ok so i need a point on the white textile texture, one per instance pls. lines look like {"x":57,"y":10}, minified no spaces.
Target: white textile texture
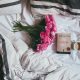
{"x":47,"y":65}
{"x":10,"y":7}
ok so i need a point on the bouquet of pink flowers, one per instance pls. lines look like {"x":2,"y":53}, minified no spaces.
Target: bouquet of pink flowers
{"x":42,"y":34}
{"x":48,"y":35}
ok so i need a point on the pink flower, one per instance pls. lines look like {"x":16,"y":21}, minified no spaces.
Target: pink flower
{"x":54,"y":28}
{"x":49,"y":25}
{"x":51,"y":17}
{"x":47,"y":31}
{"x":47,"y":40}
{"x":52,"y":34}
{"x":42,"y":35}
{"x":47,"y":36}
{"x":41,"y":47}
{"x":47,"y":19}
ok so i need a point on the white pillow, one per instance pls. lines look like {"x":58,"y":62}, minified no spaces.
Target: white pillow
{"x":10,"y":6}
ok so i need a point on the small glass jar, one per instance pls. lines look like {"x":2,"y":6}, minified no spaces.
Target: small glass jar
{"x":76,"y":45}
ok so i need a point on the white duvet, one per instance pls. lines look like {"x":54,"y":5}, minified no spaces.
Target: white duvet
{"x":47,"y":65}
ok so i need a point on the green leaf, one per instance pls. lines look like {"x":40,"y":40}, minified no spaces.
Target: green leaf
{"x":33,"y":31}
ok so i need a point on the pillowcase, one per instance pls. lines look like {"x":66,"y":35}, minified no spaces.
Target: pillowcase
{"x":10,"y":6}
{"x":64,"y":7}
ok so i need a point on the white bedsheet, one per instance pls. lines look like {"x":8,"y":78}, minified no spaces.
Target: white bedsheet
{"x":47,"y":65}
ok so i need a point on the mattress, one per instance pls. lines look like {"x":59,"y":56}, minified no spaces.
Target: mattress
{"x":47,"y":65}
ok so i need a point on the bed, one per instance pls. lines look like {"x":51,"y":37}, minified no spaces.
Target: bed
{"x":48,"y":65}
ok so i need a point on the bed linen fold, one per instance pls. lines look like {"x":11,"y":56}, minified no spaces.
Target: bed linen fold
{"x":47,"y":65}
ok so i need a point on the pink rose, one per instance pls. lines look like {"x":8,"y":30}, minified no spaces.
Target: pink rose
{"x":54,"y":28}
{"x":47,"y":40}
{"x":47,"y":19}
{"x":47,"y":36}
{"x":41,"y":47}
{"x":47,"y":31}
{"x":44,"y":37}
{"x":52,"y":34}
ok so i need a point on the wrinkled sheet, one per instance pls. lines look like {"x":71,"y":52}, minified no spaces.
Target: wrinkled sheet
{"x":24,"y":64}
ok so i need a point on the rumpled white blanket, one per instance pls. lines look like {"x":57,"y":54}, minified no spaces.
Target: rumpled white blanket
{"x":47,"y":65}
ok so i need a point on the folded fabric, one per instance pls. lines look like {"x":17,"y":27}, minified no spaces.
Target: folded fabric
{"x":65,"y":7}
{"x":10,"y":6}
